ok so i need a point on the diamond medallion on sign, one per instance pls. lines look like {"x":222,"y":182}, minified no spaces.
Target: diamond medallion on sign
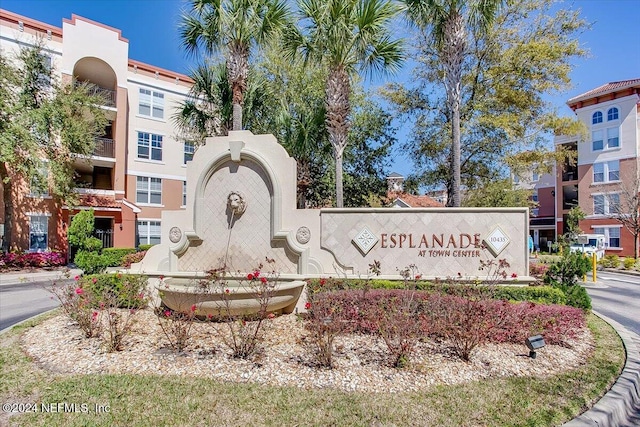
{"x":365,"y":240}
{"x":497,"y":240}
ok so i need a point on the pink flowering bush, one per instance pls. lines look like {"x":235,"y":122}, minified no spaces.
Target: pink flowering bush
{"x":17,"y":261}
{"x":79,"y":304}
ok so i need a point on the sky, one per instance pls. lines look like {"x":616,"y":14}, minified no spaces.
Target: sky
{"x":151,"y":28}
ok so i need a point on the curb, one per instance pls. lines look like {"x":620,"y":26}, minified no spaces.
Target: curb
{"x":622,"y":402}
{"x":5,"y":330}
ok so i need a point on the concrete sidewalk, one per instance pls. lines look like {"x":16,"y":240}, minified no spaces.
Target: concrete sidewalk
{"x":13,"y":278}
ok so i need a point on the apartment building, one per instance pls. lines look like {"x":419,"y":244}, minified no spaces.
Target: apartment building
{"x":138,"y":165}
{"x":607,"y":163}
{"x":542,"y":218}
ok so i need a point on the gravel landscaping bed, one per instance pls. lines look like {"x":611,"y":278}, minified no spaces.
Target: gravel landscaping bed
{"x":361,"y":361}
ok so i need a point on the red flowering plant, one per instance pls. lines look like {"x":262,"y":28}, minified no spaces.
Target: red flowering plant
{"x":242,"y":332}
{"x":79,"y":304}
{"x":177,"y":324}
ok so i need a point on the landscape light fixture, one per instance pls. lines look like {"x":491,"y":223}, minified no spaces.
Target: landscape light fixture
{"x":533,"y":343}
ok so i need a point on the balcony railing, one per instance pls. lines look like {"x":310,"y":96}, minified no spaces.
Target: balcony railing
{"x":104,"y":148}
{"x":109,"y":95}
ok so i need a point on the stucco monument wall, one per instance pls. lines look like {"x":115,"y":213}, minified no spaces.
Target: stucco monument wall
{"x":256,"y":171}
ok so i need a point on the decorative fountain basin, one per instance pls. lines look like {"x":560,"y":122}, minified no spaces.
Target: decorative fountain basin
{"x":181,"y":293}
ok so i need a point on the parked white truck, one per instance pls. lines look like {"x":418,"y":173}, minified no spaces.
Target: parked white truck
{"x":589,"y":244}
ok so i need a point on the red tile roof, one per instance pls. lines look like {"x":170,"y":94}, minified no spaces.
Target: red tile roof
{"x":415,"y":201}
{"x":605,"y":89}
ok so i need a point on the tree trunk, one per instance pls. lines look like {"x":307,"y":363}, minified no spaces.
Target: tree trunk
{"x":237,"y":116}
{"x":452,"y":50}
{"x":337,"y":95}
{"x":339,"y":188}
{"x":7,"y":239}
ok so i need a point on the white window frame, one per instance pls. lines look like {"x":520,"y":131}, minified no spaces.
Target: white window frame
{"x":153,"y":101}
{"x":606,"y":202}
{"x":145,"y":186}
{"x":152,"y":143}
{"x":38,"y":232}
{"x":597,"y":117}
{"x":149,"y":231}
{"x":611,"y":112}
{"x":597,"y":136}
{"x":605,"y":172}
{"x":613,"y":139}
{"x":609,"y":232}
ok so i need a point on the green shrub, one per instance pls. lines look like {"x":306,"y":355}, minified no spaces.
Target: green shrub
{"x":144,"y":247}
{"x":537,"y":294}
{"x":90,"y":262}
{"x":629,"y":263}
{"x":114,"y":256}
{"x":128,"y":290}
{"x":549,"y":259}
{"x":81,"y":230}
{"x":577,"y":296}
{"x":567,"y":271}
{"x":610,"y":261}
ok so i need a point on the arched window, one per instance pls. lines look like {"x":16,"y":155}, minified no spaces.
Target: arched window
{"x":612,"y":114}
{"x":596,"y":118}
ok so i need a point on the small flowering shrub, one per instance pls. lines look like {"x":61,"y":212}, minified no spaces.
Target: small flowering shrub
{"x":17,"y":261}
{"x":245,"y":332}
{"x":325,"y":320}
{"x":176,"y":325}
{"x":118,"y":312}
{"x":78,"y":304}
{"x":129,"y":259}
{"x":610,"y":261}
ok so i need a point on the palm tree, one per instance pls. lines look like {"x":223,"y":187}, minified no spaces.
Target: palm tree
{"x":344,"y":35}
{"x":232,"y":28}
{"x":449,"y":22}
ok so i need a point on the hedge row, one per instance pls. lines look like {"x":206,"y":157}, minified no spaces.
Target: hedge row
{"x":537,"y":294}
{"x":13,"y":260}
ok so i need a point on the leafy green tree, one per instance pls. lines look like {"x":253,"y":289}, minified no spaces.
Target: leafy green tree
{"x":344,"y":35}
{"x":80,"y":233}
{"x":233,"y":28}
{"x":498,"y":193}
{"x":507,"y":70}
{"x":42,"y":125}
{"x":449,"y":22}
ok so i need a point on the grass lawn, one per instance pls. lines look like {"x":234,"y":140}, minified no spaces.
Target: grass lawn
{"x":175,"y":401}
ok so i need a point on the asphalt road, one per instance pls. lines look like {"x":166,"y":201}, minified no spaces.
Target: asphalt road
{"x":618,"y":297}
{"x":21,"y":301}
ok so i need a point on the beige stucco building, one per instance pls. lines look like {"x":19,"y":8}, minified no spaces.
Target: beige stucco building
{"x":138,"y":166}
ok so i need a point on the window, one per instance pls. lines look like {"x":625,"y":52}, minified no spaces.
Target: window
{"x":596,"y":118}
{"x":598,"y":204}
{"x":606,"y":171}
{"x":596,"y":140}
{"x":613,"y":170}
{"x":611,"y":236}
{"x":149,"y":146}
{"x":535,"y":177}
{"x":151,"y":104}
{"x":535,"y":211}
{"x":612,"y":114}
{"x":612,"y":138}
{"x":44,"y":76}
{"x":149,"y":232}
{"x":189,"y":149}
{"x":534,"y":196}
{"x":184,"y":193}
{"x":606,"y":204}
{"x":148,"y":190}
{"x":38,"y":233}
